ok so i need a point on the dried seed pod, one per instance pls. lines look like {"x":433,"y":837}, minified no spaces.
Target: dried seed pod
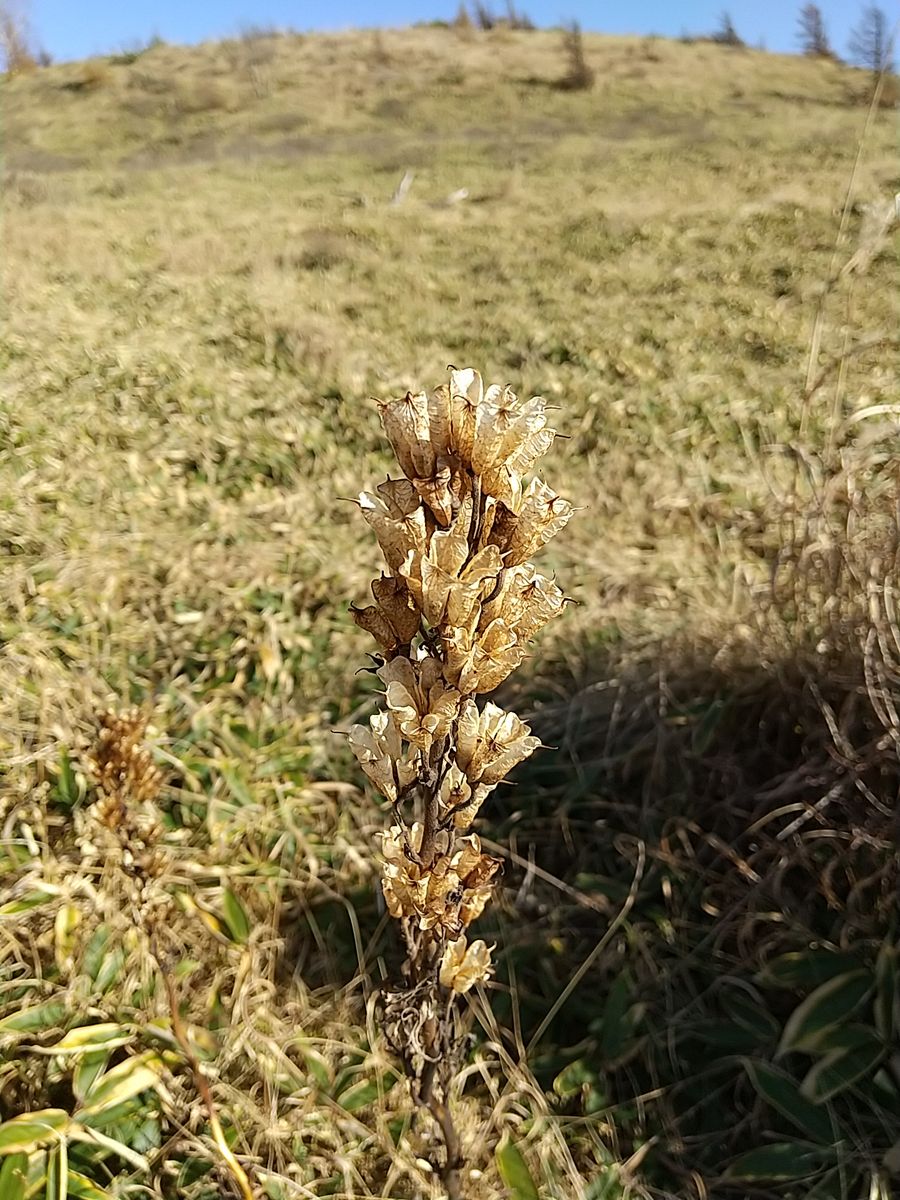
{"x":463,"y":966}
{"x":392,"y":595}
{"x":379,"y":751}
{"x":422,"y":704}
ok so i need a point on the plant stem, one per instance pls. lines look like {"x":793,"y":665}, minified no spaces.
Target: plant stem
{"x":449,"y":1173}
{"x":238,"y":1173}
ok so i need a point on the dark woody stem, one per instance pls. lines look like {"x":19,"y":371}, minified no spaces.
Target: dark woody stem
{"x":431,"y":1083}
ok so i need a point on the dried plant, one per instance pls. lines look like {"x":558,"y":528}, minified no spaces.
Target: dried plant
{"x":452,"y":618}
{"x":579,"y":76}
{"x":122,"y":827}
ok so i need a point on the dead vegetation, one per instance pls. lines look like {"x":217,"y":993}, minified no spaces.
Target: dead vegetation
{"x":188,"y":351}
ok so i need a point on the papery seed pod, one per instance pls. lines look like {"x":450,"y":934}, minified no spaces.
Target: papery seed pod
{"x":525,"y":600}
{"x":463,"y":966}
{"x":373,"y":621}
{"x":463,"y":601}
{"x":401,"y":500}
{"x":392,"y":595}
{"x":453,"y":618}
{"x":510,"y":434}
{"x":398,"y":535}
{"x":422,"y":704}
{"x":466,"y":391}
{"x":435,"y":490}
{"x":440,"y":565}
{"x":480,"y":662}
{"x":531,"y":448}
{"x":408,"y":429}
{"x":379,"y":751}
{"x":541,"y":516}
{"x":490,"y":743}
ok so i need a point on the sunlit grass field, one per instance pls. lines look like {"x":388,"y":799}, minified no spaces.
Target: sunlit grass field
{"x":213,"y":258}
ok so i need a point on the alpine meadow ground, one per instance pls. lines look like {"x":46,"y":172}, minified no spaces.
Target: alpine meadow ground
{"x":213,"y":258}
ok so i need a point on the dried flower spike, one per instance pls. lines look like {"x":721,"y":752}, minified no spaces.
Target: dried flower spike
{"x":452,"y":618}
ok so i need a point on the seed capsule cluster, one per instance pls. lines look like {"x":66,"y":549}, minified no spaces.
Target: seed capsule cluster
{"x":452,"y":617}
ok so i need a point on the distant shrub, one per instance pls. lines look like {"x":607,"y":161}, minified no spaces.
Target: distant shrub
{"x":811,"y":33}
{"x":201,"y":95}
{"x":486,"y":18}
{"x":579,"y":77}
{"x":154,"y":83}
{"x":94,"y":74}
{"x":25,"y":189}
{"x":517,"y":20}
{"x":134,"y":50}
{"x":462,"y":22}
{"x":379,"y":55}
{"x":251,"y":54}
{"x":727,"y":34}
{"x":17,"y":56}
{"x":871,"y":42}
{"x":323,"y":248}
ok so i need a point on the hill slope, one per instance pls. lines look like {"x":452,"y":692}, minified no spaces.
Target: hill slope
{"x":213,"y":257}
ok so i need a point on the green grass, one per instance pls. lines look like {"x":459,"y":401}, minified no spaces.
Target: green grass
{"x":205,"y":280}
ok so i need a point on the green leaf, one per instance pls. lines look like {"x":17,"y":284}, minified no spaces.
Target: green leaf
{"x":705,"y":730}
{"x":57,"y":1172}
{"x":25,"y":903}
{"x":88,"y":1070}
{"x":780,"y":1160}
{"x":783,"y":1094}
{"x":46,"y":1015}
{"x":126,"y":1080}
{"x":84,"y":1133}
{"x":13,"y":1176}
{"x":841,"y":1068}
{"x":365,"y":1092}
{"x":886,"y":993}
{"x":30,"y":1130}
{"x":802,"y":970}
{"x":827,"y":1007}
{"x":95,"y":951}
{"x":317,"y":1065}
{"x":607,"y":1186}
{"x":237,"y":787}
{"x":615,"y":1031}
{"x":514,"y":1172}
{"x":750,"y":1013}
{"x":105,"y":1034}
{"x":572,"y":1079}
{"x":66,"y":784}
{"x":852,"y":1036}
{"x":719,"y":1035}
{"x":235,"y":917}
{"x":110,"y":969}
{"x":82,"y":1188}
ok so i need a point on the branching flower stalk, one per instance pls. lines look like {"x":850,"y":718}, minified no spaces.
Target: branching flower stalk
{"x":453,"y":616}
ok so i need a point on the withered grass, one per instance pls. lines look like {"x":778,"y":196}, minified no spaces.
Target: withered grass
{"x":187,"y":347}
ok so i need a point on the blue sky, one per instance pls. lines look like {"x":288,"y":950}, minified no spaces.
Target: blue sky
{"x":79,"y":28}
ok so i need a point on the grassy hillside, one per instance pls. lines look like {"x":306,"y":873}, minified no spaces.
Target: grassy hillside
{"x":211,"y":263}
